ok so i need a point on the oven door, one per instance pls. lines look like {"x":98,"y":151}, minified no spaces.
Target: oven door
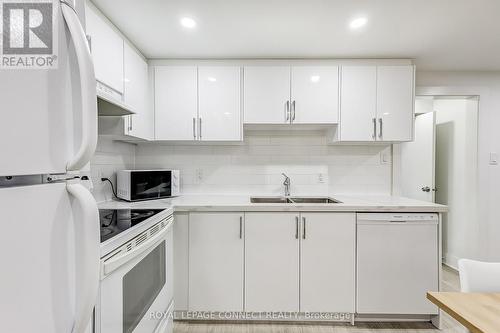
{"x":132,"y":295}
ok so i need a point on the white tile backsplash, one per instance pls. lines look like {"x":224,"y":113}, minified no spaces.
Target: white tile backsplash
{"x":109,"y":157}
{"x":255,"y":166}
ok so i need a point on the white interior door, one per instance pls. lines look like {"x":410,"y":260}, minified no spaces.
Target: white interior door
{"x":418,"y":160}
{"x":219,"y":90}
{"x":315,"y":94}
{"x":37,"y":246}
{"x":266,"y":94}
{"x":176,"y":102}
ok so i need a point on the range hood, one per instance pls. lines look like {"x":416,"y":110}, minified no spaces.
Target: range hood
{"x":109,"y":106}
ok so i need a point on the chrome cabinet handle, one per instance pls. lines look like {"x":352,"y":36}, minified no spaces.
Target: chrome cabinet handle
{"x":303,"y":228}
{"x":374,"y":135}
{"x":199,"y":128}
{"x":287,"y":111}
{"x":296,"y":227}
{"x":293,"y":111}
{"x":380,"y":132}
{"x":194,"y":128}
{"x":241,"y":227}
{"x":130,"y":123}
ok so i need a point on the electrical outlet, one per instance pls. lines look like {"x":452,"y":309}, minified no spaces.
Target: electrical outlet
{"x":493,"y":158}
{"x":321,"y":178}
{"x":384,"y":158}
{"x":199,"y":175}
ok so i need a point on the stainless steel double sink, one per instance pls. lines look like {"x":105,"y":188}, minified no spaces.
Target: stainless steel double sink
{"x":294,"y":200}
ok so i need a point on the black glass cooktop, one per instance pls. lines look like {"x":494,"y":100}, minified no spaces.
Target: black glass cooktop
{"x":115,"y":221}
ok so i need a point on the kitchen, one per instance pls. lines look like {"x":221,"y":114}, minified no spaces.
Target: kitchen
{"x":253,"y":179}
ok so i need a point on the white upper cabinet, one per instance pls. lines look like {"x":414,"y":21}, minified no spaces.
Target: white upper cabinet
{"x":136,"y":95}
{"x":358,"y":102}
{"x":106,"y":48}
{"x":376,"y":103}
{"x":315,"y":94}
{"x":176,"y":103}
{"x":395,"y":102}
{"x":219,"y":113}
{"x":266,"y":94}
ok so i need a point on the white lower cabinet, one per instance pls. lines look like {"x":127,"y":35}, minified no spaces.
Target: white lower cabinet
{"x":272,"y":262}
{"x":216,"y":247}
{"x":327,"y":262}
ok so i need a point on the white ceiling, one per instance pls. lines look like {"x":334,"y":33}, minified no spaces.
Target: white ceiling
{"x":439,"y":34}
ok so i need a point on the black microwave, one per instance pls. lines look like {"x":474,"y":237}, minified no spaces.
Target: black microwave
{"x":136,"y":185}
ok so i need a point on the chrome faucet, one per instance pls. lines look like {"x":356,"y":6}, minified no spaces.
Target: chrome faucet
{"x":287,"y":185}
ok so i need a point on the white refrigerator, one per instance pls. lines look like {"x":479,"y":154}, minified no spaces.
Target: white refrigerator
{"x":49,"y":237}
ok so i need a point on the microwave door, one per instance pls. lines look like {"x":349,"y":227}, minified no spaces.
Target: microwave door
{"x":49,"y":116}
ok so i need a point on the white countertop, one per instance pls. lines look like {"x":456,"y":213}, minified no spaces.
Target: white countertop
{"x":353,"y":203}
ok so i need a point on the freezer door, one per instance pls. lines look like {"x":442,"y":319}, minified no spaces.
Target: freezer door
{"x":48,"y":258}
{"x":48,"y":118}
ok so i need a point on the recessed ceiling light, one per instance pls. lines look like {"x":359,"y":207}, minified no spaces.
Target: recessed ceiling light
{"x":315,"y":78}
{"x":211,"y":79}
{"x":188,"y":22}
{"x":358,"y":22}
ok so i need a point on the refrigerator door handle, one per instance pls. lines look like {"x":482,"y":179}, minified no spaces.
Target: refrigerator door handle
{"x":88,"y":89}
{"x":88,"y":256}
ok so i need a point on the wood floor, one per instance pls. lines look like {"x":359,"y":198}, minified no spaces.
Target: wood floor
{"x":449,"y":283}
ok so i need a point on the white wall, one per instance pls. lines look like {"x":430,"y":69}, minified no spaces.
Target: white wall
{"x":255,"y":167}
{"x":486,"y":246}
{"x":110,"y":156}
{"x":456,"y":174}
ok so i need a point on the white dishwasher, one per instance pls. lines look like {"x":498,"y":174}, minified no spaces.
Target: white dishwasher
{"x":397,"y":262}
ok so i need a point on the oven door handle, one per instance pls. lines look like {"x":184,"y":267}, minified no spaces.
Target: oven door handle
{"x":112,"y":264}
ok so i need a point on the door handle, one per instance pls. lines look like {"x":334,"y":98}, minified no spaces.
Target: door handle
{"x":374,"y":134}
{"x":194,"y":128}
{"x":293,"y":111}
{"x":88,"y":262}
{"x":130,"y":123}
{"x":287,"y":111}
{"x":380,"y":132}
{"x":303,"y":228}
{"x":241,"y":227}
{"x":199,"y":127}
{"x":428,"y":189}
{"x":296,"y":227}
{"x":88,"y":98}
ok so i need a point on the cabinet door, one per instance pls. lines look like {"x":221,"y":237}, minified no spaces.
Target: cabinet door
{"x":176,"y":102}
{"x":266,"y":94}
{"x":219,"y":103}
{"x":136,"y":95}
{"x":315,"y":94}
{"x":216,"y":262}
{"x":107,"y":49}
{"x":272,"y":262}
{"x":395,"y":101}
{"x":328,"y":262}
{"x":358,"y":103}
